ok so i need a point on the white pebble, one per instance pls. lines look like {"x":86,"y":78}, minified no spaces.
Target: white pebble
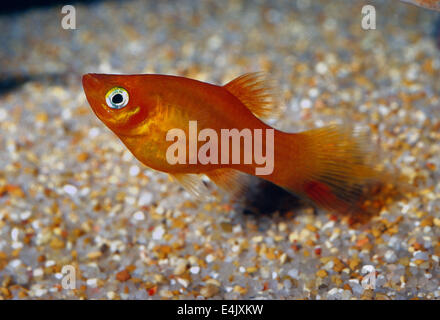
{"x":394,"y":243}
{"x":321,"y":68}
{"x":383,"y":110}
{"x":305,"y":104}
{"x":70,"y":189}
{"x":328,"y":225}
{"x":293,"y":273}
{"x":194,"y":270}
{"x":40,"y":292}
{"x":17,"y":245}
{"x":49,"y":263}
{"x":92,"y":282}
{"x":334,"y":293}
{"x":15,"y":263}
{"x":313,"y":92}
{"x":210,"y":258}
{"x":145,"y":198}
{"x":127,"y":156}
{"x":355,"y":286}
{"x":390,"y":256}
{"x":25,"y":215}
{"x":3,"y":114}
{"x":236,"y":229}
{"x":158,"y":233}
{"x":38,"y":272}
{"x":130,"y":201}
{"x":93,"y":132}
{"x":134,"y":170}
{"x":14,"y":234}
{"x":420,"y":255}
{"x":214,"y":42}
{"x":111,"y":295}
{"x":138,"y":216}
{"x":183,"y":282}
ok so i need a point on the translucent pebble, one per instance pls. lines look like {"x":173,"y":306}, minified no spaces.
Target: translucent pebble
{"x":306,"y":104}
{"x":421,"y":255}
{"x":92,"y":282}
{"x":93,"y":132}
{"x":3,"y":114}
{"x":293,"y":273}
{"x":321,"y":68}
{"x":145,"y":198}
{"x":138,"y":216}
{"x":390,"y":256}
{"x":194,"y":270}
{"x":70,"y":189}
{"x":134,"y":170}
{"x":158,"y":233}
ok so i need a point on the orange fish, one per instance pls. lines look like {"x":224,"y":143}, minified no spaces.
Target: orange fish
{"x":329,"y":165}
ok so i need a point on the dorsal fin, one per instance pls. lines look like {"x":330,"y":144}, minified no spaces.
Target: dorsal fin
{"x":257,"y":92}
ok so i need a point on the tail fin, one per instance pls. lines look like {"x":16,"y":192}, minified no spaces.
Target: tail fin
{"x":337,"y":169}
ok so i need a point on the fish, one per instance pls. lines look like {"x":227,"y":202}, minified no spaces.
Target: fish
{"x":427,"y":4}
{"x":329,"y":166}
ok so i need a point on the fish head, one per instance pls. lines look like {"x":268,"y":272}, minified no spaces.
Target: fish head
{"x":122,"y":102}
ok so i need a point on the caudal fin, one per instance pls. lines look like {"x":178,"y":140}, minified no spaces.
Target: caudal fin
{"x":337,"y":168}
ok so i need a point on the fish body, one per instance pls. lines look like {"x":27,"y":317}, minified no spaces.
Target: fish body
{"x":164,"y":103}
{"x":327,"y":165}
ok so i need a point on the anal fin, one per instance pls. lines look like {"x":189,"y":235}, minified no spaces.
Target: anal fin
{"x":232,"y":181}
{"x":194,"y":184}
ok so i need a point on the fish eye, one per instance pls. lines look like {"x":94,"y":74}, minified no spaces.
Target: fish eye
{"x":116,"y":98}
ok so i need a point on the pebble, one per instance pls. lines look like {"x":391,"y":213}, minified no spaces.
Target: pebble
{"x":194,"y":270}
{"x":356,"y":287}
{"x":38,"y":272}
{"x":209,"y":291}
{"x":123,"y":275}
{"x":390,"y":256}
{"x":321,"y":68}
{"x":158,"y":233}
{"x":3,"y":114}
{"x":210,"y":258}
{"x":138,"y":216}
{"x":92,"y":282}
{"x":70,"y":189}
{"x":134,"y":170}
{"x":145,"y":199}
{"x":420,"y":255}
{"x":293,"y":273}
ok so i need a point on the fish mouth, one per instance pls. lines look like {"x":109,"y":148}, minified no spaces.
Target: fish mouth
{"x":92,"y":85}
{"x":90,"y":82}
